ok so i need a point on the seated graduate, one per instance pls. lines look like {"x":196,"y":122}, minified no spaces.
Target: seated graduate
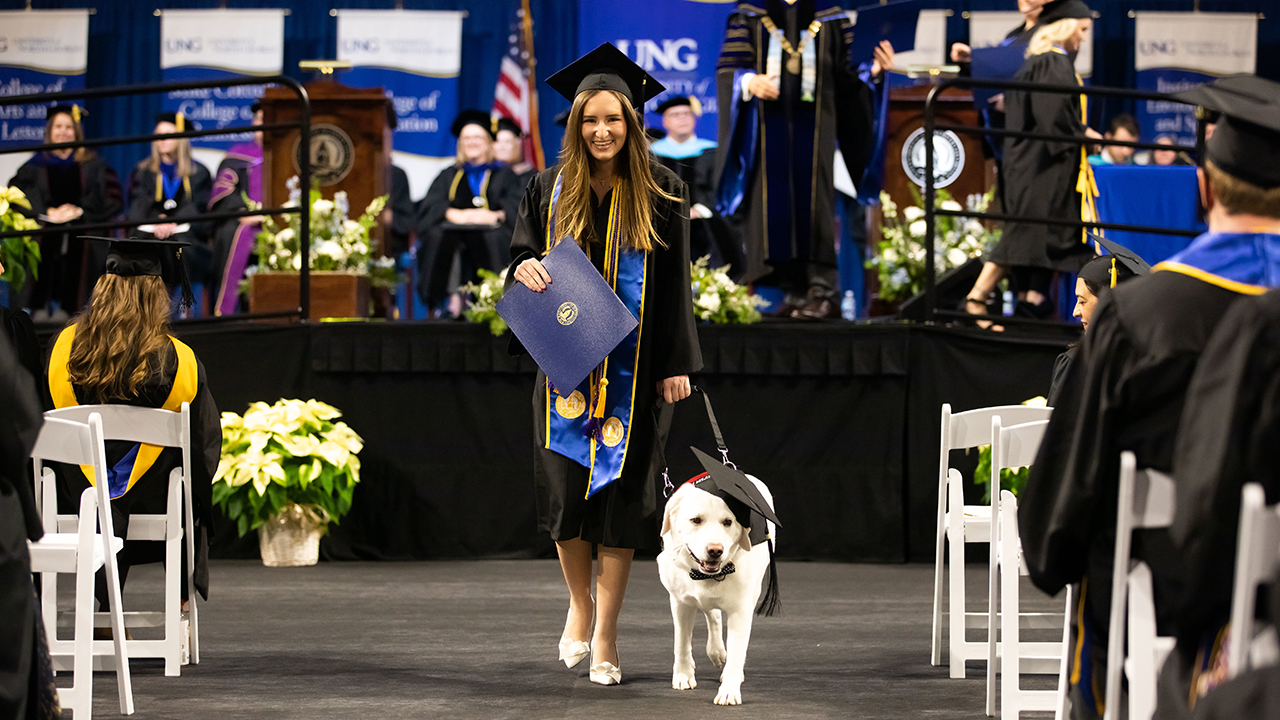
{"x":400,"y":214}
{"x":171,"y":185}
{"x":629,"y":214}
{"x":470,"y":207}
{"x":118,"y":351}
{"x":1127,"y":389}
{"x":239,"y":176}
{"x":694,"y":160}
{"x":1097,"y":277}
{"x":508,"y":147}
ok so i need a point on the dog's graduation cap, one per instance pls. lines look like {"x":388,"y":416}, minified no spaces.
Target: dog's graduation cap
{"x":606,"y":68}
{"x":1246,"y":138}
{"x":739,"y":493}
{"x":135,"y":257}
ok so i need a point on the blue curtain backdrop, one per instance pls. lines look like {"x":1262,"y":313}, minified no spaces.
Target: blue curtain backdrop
{"x":124,"y":38}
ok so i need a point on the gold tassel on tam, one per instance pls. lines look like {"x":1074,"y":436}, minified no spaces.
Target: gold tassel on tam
{"x":1113,"y":272}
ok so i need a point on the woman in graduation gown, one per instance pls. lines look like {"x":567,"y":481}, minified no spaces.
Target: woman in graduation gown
{"x":118,"y":351}
{"x":171,"y":185}
{"x":595,"y":471}
{"x":1041,"y":175}
{"x":477,"y":191}
{"x":68,"y":187}
{"x":1097,"y":277}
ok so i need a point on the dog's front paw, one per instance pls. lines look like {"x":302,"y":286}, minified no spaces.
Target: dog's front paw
{"x":730,"y":694}
{"x":716,"y":652}
{"x":683,"y":681}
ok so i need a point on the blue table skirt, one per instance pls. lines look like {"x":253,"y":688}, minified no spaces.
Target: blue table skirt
{"x":1158,"y":196}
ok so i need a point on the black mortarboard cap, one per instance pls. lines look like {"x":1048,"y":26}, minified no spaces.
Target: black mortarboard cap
{"x":1123,"y":261}
{"x":75,"y":111}
{"x":255,"y":106}
{"x":1246,"y":139}
{"x":680,"y":101}
{"x":1057,"y":10}
{"x":655,"y":133}
{"x":179,"y":121}
{"x":133,"y":257}
{"x":562,"y":118}
{"x":510,"y":126}
{"x":474,"y":117}
{"x":606,"y":68}
{"x":736,"y":488}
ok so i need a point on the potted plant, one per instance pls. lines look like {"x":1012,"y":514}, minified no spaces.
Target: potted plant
{"x":287,"y":471}
{"x":342,"y":258}
{"x":718,"y":299}
{"x":20,"y":256}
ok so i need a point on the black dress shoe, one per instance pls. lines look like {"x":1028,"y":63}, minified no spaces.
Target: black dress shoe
{"x":817,"y":308}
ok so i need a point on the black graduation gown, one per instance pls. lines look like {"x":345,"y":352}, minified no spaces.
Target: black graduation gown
{"x":707,"y":236}
{"x":484,"y":249}
{"x":623,"y":514}
{"x":150,"y":494}
{"x":1040,"y":176}
{"x":199,"y":257}
{"x":1124,"y":391}
{"x":232,"y":179}
{"x":1060,"y":367}
{"x":67,"y":277}
{"x":403,"y":213}
{"x":19,"y":425}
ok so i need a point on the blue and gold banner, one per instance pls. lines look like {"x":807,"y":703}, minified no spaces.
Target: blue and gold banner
{"x":41,"y":51}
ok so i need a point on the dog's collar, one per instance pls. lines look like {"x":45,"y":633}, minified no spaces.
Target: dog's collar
{"x":726,"y":571}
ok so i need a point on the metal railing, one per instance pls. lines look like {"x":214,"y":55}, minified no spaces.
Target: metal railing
{"x":931,"y":211}
{"x":304,"y":166}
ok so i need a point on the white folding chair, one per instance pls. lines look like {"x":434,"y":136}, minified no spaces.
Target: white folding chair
{"x":1146,"y":501}
{"x":81,"y":552}
{"x":169,"y":429}
{"x":1014,"y":447}
{"x":1041,"y":657}
{"x":1257,"y":555}
{"x":963,"y":524}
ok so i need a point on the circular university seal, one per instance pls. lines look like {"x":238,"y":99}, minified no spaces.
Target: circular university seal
{"x":572,"y":406}
{"x":567,"y":313}
{"x":948,"y":157}
{"x":331,"y":154}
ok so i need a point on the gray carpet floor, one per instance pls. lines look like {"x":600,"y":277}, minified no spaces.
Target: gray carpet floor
{"x":478,"y":640}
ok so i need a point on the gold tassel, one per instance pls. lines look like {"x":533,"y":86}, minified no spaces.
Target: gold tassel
{"x":75,"y":113}
{"x":179,"y":122}
{"x":159,"y":185}
{"x":600,"y":395}
{"x":1113,"y":272}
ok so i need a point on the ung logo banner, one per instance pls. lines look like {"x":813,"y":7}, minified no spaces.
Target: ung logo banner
{"x":1176,"y":51}
{"x":41,"y":51}
{"x":216,"y":45}
{"x":415,"y":55}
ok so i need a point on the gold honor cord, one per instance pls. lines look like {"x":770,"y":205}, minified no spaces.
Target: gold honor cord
{"x":484,"y":187}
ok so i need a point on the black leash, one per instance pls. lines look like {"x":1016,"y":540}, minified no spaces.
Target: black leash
{"x":668,"y":487}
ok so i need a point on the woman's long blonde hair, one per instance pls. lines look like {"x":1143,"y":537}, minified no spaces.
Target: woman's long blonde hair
{"x":182,"y":157}
{"x":634,"y":183}
{"x":1055,"y":33}
{"x":121,"y":337}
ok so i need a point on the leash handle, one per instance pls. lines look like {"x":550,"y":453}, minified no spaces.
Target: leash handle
{"x":668,"y":487}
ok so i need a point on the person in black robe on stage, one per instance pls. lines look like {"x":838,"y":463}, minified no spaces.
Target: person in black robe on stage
{"x":171,"y":185}
{"x":239,"y":177}
{"x":782,"y":107}
{"x":1127,"y":389}
{"x":470,"y":207}
{"x":66,"y":188}
{"x":608,"y":179}
{"x":1041,"y":176}
{"x":116,"y":352}
{"x":508,"y":147}
{"x":400,"y":214}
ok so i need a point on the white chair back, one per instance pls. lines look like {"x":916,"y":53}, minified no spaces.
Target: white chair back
{"x":1257,"y":555}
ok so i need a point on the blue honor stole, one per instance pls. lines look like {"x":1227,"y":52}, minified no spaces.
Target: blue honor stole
{"x":591,"y":425}
{"x":1247,"y":263}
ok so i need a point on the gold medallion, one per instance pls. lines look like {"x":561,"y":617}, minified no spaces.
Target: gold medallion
{"x":613,"y":431}
{"x":793,"y":64}
{"x":567,"y":313}
{"x":572,"y":406}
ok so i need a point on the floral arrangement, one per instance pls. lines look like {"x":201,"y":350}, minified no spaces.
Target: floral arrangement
{"x":901,"y":257}
{"x":720,"y":300}
{"x":338,"y":244}
{"x":288,"y":453}
{"x":20,"y":256}
{"x":1011,"y":479}
{"x":483,"y":297}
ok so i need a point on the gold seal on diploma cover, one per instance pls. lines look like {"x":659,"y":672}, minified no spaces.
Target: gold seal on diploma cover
{"x":572,"y":406}
{"x":612,"y":431}
{"x":567,"y":313}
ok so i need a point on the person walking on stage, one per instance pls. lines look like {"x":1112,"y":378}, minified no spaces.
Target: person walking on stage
{"x":609,"y":195}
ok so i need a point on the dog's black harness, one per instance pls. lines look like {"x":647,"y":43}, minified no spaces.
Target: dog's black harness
{"x":726,"y":571}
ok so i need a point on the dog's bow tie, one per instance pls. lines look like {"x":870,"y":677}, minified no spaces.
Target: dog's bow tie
{"x":726,"y":571}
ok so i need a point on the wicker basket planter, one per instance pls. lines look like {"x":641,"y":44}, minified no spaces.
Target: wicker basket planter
{"x":292,"y":538}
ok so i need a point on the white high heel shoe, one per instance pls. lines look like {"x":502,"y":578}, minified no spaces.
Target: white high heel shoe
{"x":572,"y":651}
{"x":606,"y":673}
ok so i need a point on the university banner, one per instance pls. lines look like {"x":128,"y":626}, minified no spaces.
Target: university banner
{"x":1177,"y":50}
{"x":676,"y":41}
{"x":200,"y":45}
{"x":415,"y":55}
{"x":989,"y":28}
{"x":41,"y":51}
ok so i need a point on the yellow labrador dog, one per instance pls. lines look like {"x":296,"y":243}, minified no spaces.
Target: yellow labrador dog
{"x":708,"y":564}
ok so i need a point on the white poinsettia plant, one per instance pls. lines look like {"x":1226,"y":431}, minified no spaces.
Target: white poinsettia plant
{"x":338,"y":244}
{"x":20,"y":256}
{"x":900,"y":261}
{"x":292,"y":452}
{"x":718,"y":299}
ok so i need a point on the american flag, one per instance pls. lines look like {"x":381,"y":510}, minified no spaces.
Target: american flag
{"x":516,"y":95}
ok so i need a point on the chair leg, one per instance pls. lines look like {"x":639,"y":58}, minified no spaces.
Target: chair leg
{"x":81,"y":695}
{"x":956,"y":605}
{"x":124,"y":684}
{"x":995,"y":609}
{"x":1062,"y":708}
{"x":938,"y":559}
{"x":172,"y":607}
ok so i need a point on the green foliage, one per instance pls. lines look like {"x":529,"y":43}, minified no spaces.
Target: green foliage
{"x":20,"y":256}
{"x":482,"y":300}
{"x":721,"y":300}
{"x":1011,"y":479}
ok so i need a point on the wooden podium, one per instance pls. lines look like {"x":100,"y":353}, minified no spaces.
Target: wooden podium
{"x":959,"y":163}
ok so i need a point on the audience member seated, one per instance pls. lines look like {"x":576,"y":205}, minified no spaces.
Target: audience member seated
{"x":1125,"y":129}
{"x":118,"y":351}
{"x":508,"y":147}
{"x":470,"y":208}
{"x":1169,"y":157}
{"x":67,"y":188}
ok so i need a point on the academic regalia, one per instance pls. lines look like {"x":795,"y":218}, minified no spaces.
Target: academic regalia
{"x":1040,"y":176}
{"x":239,"y":173}
{"x":90,"y":184}
{"x":403,"y":213}
{"x":623,"y":513}
{"x":452,"y":188}
{"x":178,"y":199}
{"x":694,"y":161}
{"x":776,"y":157}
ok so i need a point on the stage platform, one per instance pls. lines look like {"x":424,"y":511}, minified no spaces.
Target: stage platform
{"x":840,"y":419}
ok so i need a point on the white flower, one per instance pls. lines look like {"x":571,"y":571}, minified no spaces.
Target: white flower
{"x":917,"y":228}
{"x":957,"y":257}
{"x":950,"y":205}
{"x":891,"y":255}
{"x":351,"y":227}
{"x":323,"y":207}
{"x":709,"y":300}
{"x":297,"y":262}
{"x":913,"y":213}
{"x":330,"y":249}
